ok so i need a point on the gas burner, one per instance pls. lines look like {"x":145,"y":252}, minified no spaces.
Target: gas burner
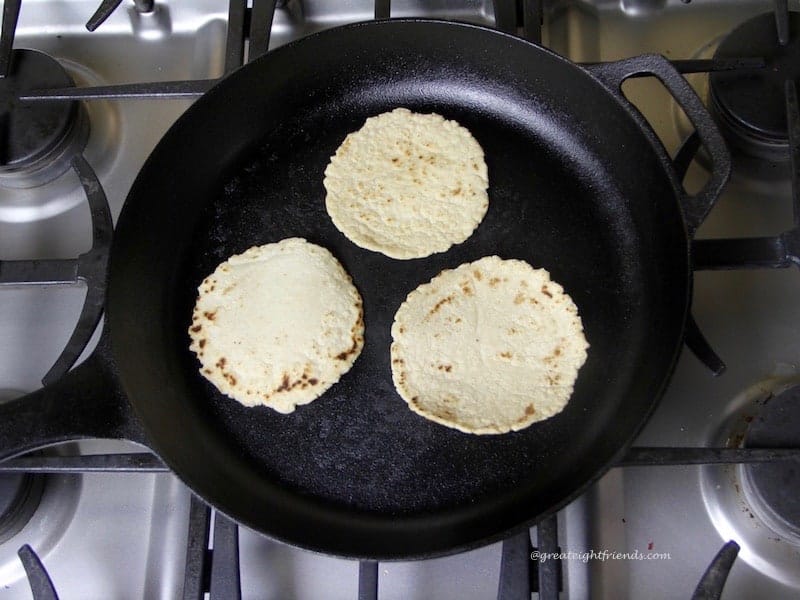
{"x":37,"y":140}
{"x":746,"y":502}
{"x":19,"y":498}
{"x":771,"y":488}
{"x":751,"y":105}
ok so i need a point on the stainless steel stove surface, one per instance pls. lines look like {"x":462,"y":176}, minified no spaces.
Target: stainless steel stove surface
{"x":117,"y":535}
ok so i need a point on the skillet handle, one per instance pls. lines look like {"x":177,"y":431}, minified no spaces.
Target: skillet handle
{"x":613,"y":74}
{"x":87,"y":402}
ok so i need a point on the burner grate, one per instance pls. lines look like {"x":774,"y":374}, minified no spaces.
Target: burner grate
{"x":216,"y":570}
{"x":90,"y":267}
{"x":517,"y":577}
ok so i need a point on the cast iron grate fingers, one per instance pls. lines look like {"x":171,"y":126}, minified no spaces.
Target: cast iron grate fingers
{"x":262,"y":13}
{"x":532,"y":20}
{"x":9,"y":26}
{"x":41,"y":586}
{"x":368,"y":580}
{"x":234,"y":41}
{"x":515,"y":568}
{"x":710,"y":586}
{"x":196,"y":573}
{"x":107,"y":8}
{"x":90,"y":267}
{"x":383,"y":9}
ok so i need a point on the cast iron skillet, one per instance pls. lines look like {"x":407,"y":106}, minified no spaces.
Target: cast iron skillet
{"x":579,"y":185}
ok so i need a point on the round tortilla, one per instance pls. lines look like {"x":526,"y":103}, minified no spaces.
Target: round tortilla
{"x":407,"y":185}
{"x":277,"y":325}
{"x":489,"y":347}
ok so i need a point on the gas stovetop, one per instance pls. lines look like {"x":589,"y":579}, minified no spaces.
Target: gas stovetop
{"x":112,"y":523}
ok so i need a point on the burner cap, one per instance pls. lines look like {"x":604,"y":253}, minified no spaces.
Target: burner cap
{"x":773,"y":486}
{"x":753,"y":103}
{"x":37,"y":139}
{"x":19,"y":499}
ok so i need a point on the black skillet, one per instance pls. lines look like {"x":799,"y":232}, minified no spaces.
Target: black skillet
{"x":579,"y":185}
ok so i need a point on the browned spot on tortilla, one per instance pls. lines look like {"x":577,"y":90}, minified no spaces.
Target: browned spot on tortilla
{"x":313,"y":381}
{"x":546,"y":292}
{"x":398,"y":361}
{"x":210,"y":315}
{"x":394,"y":160}
{"x":202,"y":343}
{"x":494,"y":281}
{"x":207,"y":371}
{"x":401,"y":329}
{"x":529,"y":410}
{"x":357,"y":339}
{"x":467,"y":289}
{"x":296,"y":383}
{"x":506,"y":354}
{"x":533,"y":300}
{"x":284,"y":384}
{"x":512,"y":330}
{"x":439,"y":304}
{"x":519,"y":298}
{"x":458,"y":320}
{"x":414,"y":400}
{"x":221,"y":362}
{"x":475,"y":166}
{"x":231,"y":379}
{"x":447,"y":368}
{"x":197,"y":328}
{"x":456,"y":191}
{"x":478,"y":274}
{"x":446,"y":414}
{"x":557,"y":351}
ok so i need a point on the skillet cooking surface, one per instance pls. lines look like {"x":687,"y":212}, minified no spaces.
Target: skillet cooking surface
{"x":359,"y":443}
{"x":244,"y":167}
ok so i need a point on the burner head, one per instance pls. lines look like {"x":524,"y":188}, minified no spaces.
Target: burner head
{"x":751,"y":105}
{"x":772,"y":488}
{"x":37,"y":139}
{"x":19,"y":499}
